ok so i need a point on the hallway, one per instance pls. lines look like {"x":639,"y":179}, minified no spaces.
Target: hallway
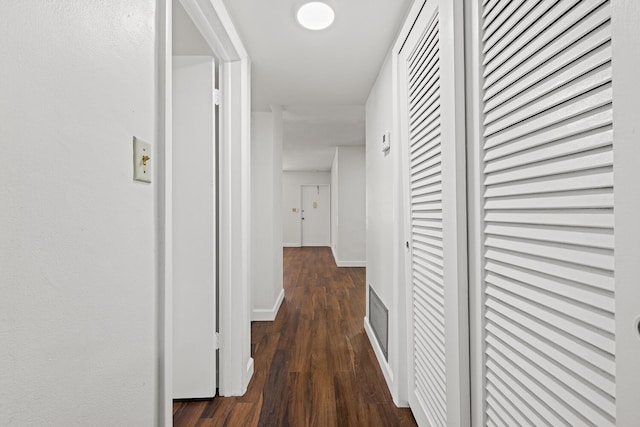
{"x":314,"y":365}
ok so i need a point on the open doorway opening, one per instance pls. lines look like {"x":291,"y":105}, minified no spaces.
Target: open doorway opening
{"x":194,"y":206}
{"x":231,"y":262}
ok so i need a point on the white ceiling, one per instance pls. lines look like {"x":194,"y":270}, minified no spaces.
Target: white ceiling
{"x":321,"y":78}
{"x":311,"y":134}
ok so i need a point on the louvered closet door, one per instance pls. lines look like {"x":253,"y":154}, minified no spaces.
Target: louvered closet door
{"x":425,"y":142}
{"x":545,"y":176}
{"x":429,"y":122}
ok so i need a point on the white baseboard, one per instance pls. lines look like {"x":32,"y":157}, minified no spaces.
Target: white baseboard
{"x":386,"y":369}
{"x":244,"y":382}
{"x":268,"y":314}
{"x":351,"y":263}
{"x":248,"y":375}
{"x":341,"y":263}
{"x":291,"y":245}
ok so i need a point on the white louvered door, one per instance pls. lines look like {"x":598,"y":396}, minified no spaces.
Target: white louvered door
{"x":425,"y":161}
{"x":543,"y":306}
{"x":430,"y":92}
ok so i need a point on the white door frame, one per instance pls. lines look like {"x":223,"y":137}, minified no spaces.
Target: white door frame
{"x":474,"y":203}
{"x":626,"y":153}
{"x":236,"y":365}
{"x":301,"y":208}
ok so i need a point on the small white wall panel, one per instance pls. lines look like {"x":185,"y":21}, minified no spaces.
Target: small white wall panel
{"x":425,"y":161}
{"x":546,"y":170}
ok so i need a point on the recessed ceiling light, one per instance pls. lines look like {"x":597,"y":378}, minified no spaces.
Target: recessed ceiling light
{"x":315,"y":15}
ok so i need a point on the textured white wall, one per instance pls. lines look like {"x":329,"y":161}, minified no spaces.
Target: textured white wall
{"x":385,"y":245}
{"x":349,"y":220}
{"x":334,"y":204}
{"x":276,"y":227}
{"x":380,"y":178}
{"x":266,"y":172}
{"x":262,"y":208}
{"x":78,"y":321}
{"x":291,"y":182}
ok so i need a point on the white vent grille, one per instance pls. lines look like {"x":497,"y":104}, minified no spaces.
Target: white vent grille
{"x":547,"y":171}
{"x":379,"y":319}
{"x":426,"y":224}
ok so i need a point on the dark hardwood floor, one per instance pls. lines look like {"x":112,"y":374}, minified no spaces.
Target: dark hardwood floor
{"x":314,"y":365}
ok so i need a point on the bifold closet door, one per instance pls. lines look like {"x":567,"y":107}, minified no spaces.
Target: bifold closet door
{"x":432,"y":134}
{"x":542,"y":219}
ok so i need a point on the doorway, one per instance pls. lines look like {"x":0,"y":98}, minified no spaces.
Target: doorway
{"x":214,"y":26}
{"x":315,"y":215}
{"x":194,"y":211}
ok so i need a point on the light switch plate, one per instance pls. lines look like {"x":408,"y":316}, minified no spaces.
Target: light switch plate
{"x":141,"y":160}
{"x":386,"y":142}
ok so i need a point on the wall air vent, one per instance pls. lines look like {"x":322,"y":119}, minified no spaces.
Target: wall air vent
{"x":379,"y":320}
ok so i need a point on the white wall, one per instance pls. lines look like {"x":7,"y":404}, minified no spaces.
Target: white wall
{"x":78,"y":320}
{"x":385,"y":245}
{"x":380,"y":197}
{"x":266,"y":173}
{"x":349,"y":245}
{"x":334,"y":204}
{"x":291,"y":182}
{"x":276,"y":226}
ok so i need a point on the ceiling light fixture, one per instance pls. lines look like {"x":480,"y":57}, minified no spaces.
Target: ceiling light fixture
{"x":315,"y":15}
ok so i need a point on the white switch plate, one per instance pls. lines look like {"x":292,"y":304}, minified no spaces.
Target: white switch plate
{"x":386,"y":142}
{"x":141,"y":160}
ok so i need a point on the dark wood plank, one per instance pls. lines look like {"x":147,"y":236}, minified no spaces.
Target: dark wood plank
{"x":189,"y":411}
{"x":299,"y":402}
{"x":275,"y":391}
{"x":314,"y":365}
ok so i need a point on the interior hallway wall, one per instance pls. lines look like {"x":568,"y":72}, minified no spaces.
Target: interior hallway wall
{"x":78,"y":311}
{"x":349,"y":206}
{"x":334,"y":205}
{"x":291,"y":199}
{"x":266,"y":194}
{"x":276,"y":229}
{"x":385,"y":252}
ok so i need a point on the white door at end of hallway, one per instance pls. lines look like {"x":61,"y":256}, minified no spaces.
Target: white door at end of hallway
{"x":315,"y":215}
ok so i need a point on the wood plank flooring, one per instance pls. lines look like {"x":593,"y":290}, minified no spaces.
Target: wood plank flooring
{"x":314,"y":365}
